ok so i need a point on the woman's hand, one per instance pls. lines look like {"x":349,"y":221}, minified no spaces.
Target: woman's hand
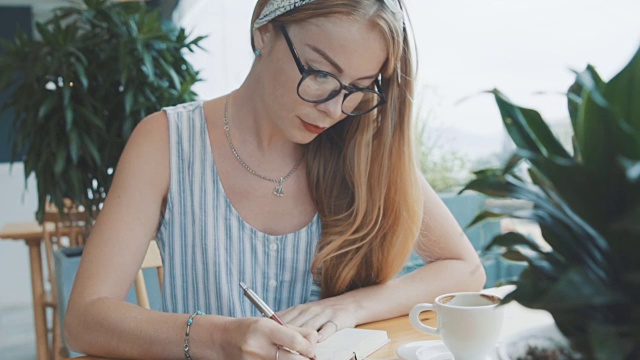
{"x":326,"y":316}
{"x":261,"y":338}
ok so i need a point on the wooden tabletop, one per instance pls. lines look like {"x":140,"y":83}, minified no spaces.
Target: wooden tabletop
{"x":29,"y":230}
{"x":400,"y":332}
{"x":517,"y":318}
{"x":399,"y":329}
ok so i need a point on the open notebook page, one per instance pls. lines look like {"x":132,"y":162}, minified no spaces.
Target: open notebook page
{"x":345,"y":342}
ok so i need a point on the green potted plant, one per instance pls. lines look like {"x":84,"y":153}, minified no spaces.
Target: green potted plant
{"x":78,"y":92}
{"x":586,"y":273}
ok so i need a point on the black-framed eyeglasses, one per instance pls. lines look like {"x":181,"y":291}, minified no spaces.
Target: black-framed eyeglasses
{"x":317,"y":86}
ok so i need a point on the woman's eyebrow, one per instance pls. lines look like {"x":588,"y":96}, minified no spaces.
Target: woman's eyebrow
{"x":326,"y":57}
{"x":335,"y":64}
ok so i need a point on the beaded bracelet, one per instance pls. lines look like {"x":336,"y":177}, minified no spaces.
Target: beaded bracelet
{"x":186,"y":335}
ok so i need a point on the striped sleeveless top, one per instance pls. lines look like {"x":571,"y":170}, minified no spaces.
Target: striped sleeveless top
{"x":207,"y":248}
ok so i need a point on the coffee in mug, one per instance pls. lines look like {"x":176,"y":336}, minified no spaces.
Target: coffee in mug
{"x":469,"y":323}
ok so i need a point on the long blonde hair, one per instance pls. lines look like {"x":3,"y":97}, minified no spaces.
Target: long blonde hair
{"x":362,"y":172}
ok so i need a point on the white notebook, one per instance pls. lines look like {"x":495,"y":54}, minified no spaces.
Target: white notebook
{"x":344,"y":343}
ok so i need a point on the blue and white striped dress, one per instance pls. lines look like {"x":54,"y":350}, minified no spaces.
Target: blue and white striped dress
{"x":206,"y":246}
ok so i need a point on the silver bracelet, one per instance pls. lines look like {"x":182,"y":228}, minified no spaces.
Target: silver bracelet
{"x":186,"y":335}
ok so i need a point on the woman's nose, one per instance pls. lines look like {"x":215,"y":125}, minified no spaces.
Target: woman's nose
{"x":333,"y":107}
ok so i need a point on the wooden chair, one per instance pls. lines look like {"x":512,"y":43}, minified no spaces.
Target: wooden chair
{"x":151,"y":260}
{"x":68,"y":230}
{"x":69,"y":266}
{"x":65,"y":230}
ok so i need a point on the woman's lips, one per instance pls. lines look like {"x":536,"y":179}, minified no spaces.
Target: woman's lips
{"x":312,"y":128}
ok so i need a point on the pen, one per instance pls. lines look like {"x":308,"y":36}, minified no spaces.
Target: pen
{"x":264,"y":309}
{"x":260,"y":304}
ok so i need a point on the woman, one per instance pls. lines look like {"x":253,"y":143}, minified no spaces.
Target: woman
{"x":301,"y":183}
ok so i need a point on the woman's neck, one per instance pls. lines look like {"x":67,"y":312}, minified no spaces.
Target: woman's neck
{"x":253,"y":129}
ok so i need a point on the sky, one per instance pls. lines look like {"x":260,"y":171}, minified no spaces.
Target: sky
{"x":525,"y":48}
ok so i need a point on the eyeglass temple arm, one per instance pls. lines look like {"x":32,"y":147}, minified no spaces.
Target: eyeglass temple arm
{"x":380,"y":90}
{"x":294,"y":52}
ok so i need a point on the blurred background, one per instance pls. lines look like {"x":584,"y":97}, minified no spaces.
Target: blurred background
{"x":525,"y":48}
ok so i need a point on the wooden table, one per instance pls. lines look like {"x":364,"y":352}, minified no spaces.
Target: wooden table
{"x":516,"y":319}
{"x":399,"y":329}
{"x":31,"y":232}
{"x":400,"y":332}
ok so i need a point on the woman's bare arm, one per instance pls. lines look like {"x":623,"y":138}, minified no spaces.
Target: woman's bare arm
{"x":99,"y":321}
{"x":452,"y":265}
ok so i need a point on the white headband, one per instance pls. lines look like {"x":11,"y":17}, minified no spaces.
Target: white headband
{"x":276,"y":8}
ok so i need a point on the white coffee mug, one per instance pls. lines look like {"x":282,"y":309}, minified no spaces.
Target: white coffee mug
{"x":469,"y":323}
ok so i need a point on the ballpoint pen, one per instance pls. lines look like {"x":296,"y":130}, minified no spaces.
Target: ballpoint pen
{"x":264,"y":309}
{"x":260,"y":304}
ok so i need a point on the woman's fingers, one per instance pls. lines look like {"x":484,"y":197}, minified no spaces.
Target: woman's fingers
{"x":329,"y":328}
{"x":283,"y":353}
{"x":295,"y":315}
{"x":310,"y":334}
{"x":322,"y":322}
{"x":307,"y":316}
{"x":264,"y":339}
{"x":327,"y":316}
{"x":286,"y":353}
{"x":298,"y":340}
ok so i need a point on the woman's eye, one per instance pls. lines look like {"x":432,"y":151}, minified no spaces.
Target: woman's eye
{"x":314,"y":69}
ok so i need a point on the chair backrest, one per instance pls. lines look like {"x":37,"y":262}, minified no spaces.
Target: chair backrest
{"x":56,"y":228}
{"x":59,"y":231}
{"x":151,"y":260}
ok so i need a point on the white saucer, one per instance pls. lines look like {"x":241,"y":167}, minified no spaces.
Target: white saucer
{"x":408,"y":351}
{"x":427,"y":350}
{"x":436,"y":350}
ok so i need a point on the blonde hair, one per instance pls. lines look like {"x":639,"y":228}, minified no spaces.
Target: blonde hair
{"x":362,"y":172}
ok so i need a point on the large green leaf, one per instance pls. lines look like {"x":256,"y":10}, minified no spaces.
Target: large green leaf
{"x":528,"y":130}
{"x":594,"y":128}
{"x":576,"y":288}
{"x":485,"y":215}
{"x":571,"y":180}
{"x":505,"y":186}
{"x":74,"y":145}
{"x":609,"y":342}
{"x":530,"y":285}
{"x":623,"y":92}
{"x":46,"y":107}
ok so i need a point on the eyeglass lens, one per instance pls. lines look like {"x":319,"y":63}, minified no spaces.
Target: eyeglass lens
{"x":320,"y":86}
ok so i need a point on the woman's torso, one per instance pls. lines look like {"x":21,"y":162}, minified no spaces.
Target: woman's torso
{"x":208,"y":247}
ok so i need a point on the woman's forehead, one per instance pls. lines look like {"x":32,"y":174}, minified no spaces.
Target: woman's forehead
{"x":357,"y":45}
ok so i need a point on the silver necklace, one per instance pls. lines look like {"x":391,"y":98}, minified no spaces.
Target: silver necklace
{"x":279,"y":189}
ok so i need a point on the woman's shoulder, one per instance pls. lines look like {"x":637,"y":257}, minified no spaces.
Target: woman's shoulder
{"x":146,"y":157}
{"x":153,"y":124}
{"x":184,"y":107}
{"x":158,"y":122}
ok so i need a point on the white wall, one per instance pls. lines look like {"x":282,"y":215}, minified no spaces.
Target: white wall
{"x":18,"y":203}
{"x":227,"y":57}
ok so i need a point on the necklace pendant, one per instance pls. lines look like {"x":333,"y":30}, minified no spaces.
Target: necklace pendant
{"x":279,"y":191}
